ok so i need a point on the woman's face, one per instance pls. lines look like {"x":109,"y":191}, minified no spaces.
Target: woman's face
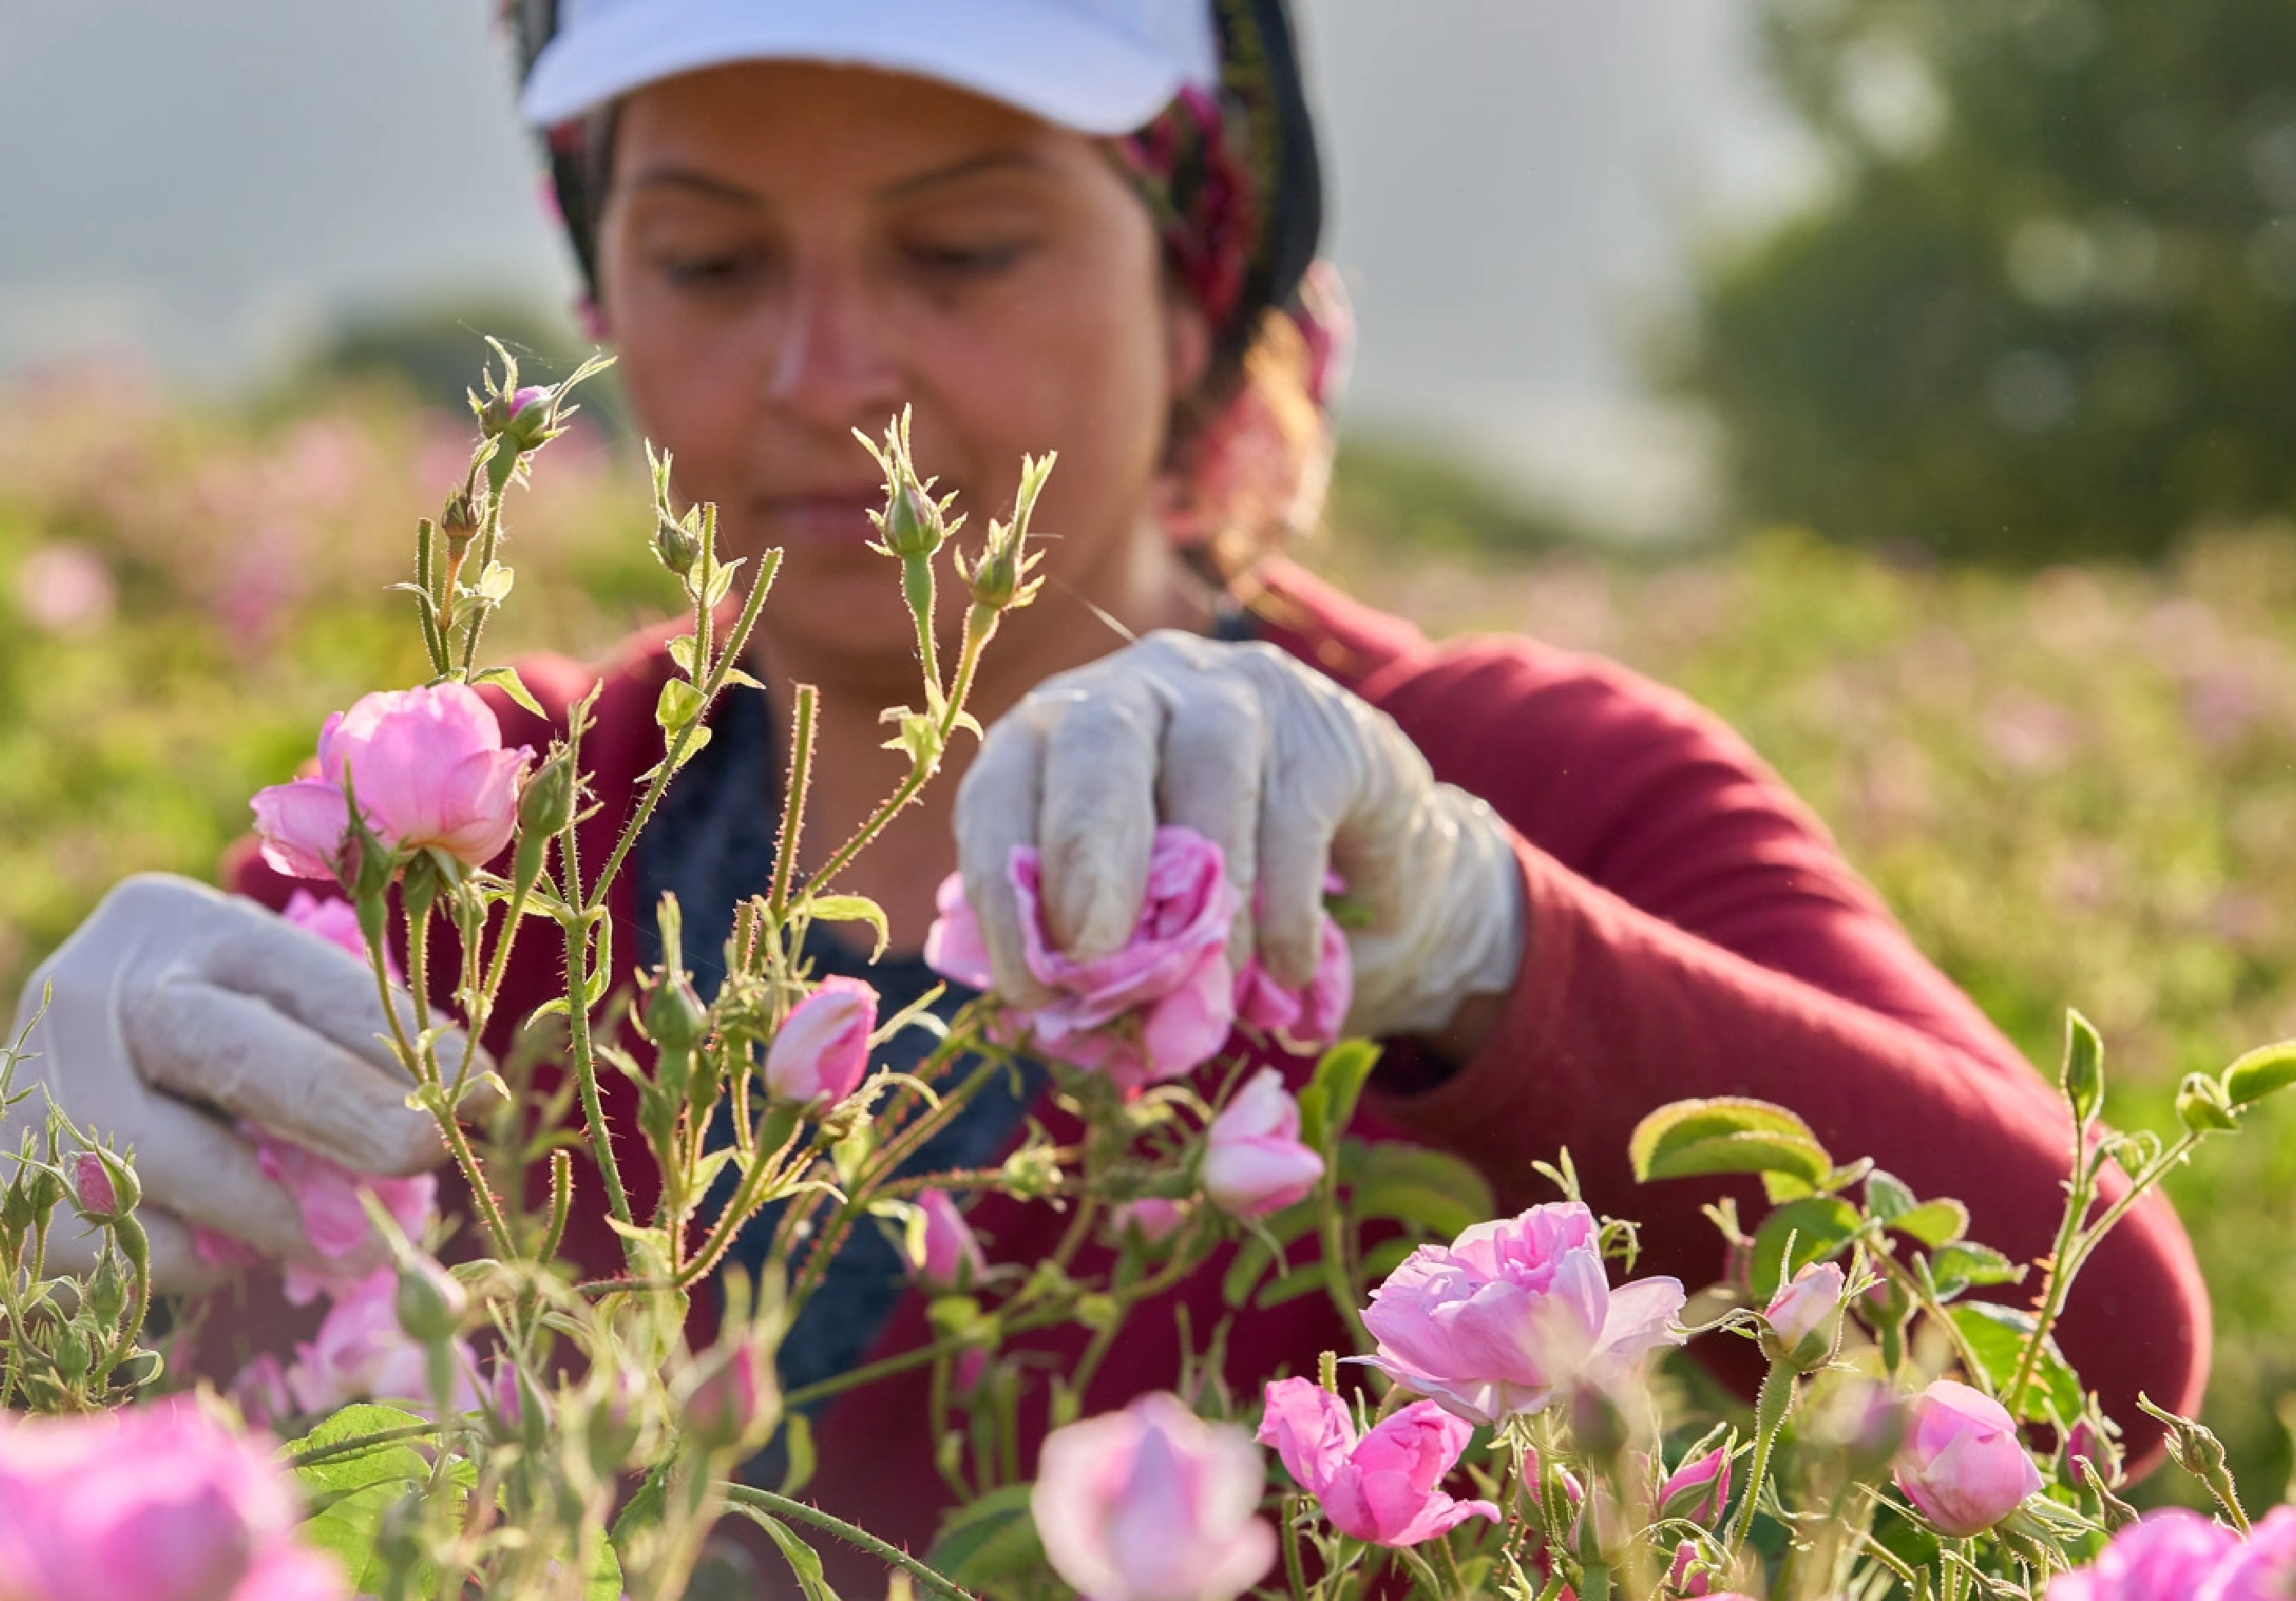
{"x":791,"y":251}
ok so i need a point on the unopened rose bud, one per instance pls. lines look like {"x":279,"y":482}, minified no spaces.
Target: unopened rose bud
{"x":547,"y":803}
{"x":1804,"y":1317}
{"x":459,"y":521}
{"x":950,"y":1258}
{"x":734,"y":1404}
{"x":1254,"y":1163}
{"x":675,"y":1020}
{"x":73,"y":1356}
{"x":1699,"y":1490}
{"x":1151,"y":1218}
{"x":521,"y":418}
{"x":431,"y":1302}
{"x":615,"y":1425}
{"x":822,"y":1050}
{"x":91,"y":1186}
{"x":675,"y":547}
{"x":1962,"y":1464}
{"x":107,"y":1292}
{"x":911,"y":524}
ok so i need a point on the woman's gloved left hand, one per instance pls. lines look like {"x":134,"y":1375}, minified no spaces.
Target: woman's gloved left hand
{"x":1289,"y":775}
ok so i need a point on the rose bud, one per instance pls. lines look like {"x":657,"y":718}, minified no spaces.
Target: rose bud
{"x":91,"y":1186}
{"x":736,"y":1402}
{"x":950,"y":1256}
{"x":1699,"y":1490}
{"x":1254,"y":1163}
{"x":1153,"y":1504}
{"x":1962,"y":1464}
{"x":822,"y":1050}
{"x":1151,"y":1218}
{"x":1804,"y":1317}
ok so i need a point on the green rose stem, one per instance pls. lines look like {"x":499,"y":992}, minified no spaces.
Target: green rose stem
{"x":797,"y":1512}
{"x":417,"y":902}
{"x":1771,"y":1405}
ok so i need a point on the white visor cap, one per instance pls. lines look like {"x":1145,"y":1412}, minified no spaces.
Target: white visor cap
{"x":1095,"y":66}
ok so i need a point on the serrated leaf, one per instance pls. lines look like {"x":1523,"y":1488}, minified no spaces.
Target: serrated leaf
{"x":2260,"y":1072}
{"x":1726,"y":1134}
{"x":506,"y":679}
{"x":1966,"y":1262}
{"x":349,"y":1494}
{"x":1885,"y":1198}
{"x":992,"y":1539}
{"x":1817,"y":1225}
{"x":1996,"y":1337}
{"x":1938,"y":1223}
{"x":855,"y":908}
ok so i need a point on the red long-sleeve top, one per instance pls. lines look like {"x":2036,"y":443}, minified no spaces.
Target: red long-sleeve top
{"x":1692,"y":932}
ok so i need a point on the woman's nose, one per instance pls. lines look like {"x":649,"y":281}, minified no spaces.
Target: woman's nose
{"x":835,"y":364}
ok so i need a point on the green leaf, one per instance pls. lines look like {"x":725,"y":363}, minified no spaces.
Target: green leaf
{"x":1816,"y":1223}
{"x":1935,"y":1222}
{"x":1955,"y":1267}
{"x":796,"y":1439}
{"x":2259,"y":1073}
{"x":1727,"y":1134}
{"x":1996,"y":1337}
{"x":349,"y":1493}
{"x":854,"y":908}
{"x":606,"y":1582}
{"x":506,"y":679}
{"x":992,"y":1539}
{"x":804,"y":1561}
{"x":2202,"y":1104}
{"x":2083,"y":1076}
{"x":1253,"y":1257}
{"x":1340,"y":1072}
{"x":1887,"y":1199}
{"x":680,"y":651}
{"x":679,"y":705}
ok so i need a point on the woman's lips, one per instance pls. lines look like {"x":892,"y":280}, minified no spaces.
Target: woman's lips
{"x":826,"y":520}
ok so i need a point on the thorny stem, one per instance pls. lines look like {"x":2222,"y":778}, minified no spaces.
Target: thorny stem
{"x":797,"y":1512}
{"x":800,"y":778}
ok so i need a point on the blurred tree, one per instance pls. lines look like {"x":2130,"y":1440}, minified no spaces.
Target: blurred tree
{"x":2046,"y":302}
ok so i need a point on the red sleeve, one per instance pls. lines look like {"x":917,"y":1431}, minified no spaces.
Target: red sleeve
{"x":1693,"y":931}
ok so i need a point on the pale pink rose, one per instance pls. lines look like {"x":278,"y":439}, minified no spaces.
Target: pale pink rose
{"x":823,"y":1047}
{"x":1506,"y":1315}
{"x":161,"y":1503}
{"x":1152,"y":1217}
{"x":1153,"y":1504}
{"x":327,"y":1194}
{"x":336,"y":921}
{"x":2260,"y":1568}
{"x":92,"y":1186}
{"x":1699,"y":1490}
{"x":951,"y":1259}
{"x":430,"y":771}
{"x":1254,"y":1163}
{"x":361,"y":1353}
{"x":1303,"y":1019}
{"x":2165,"y":1556}
{"x":1156,"y":1009}
{"x":1383,"y":1487}
{"x":1961,"y":1463}
{"x":1804,"y":1307}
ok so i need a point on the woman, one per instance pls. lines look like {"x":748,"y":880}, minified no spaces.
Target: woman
{"x":1082,"y":226}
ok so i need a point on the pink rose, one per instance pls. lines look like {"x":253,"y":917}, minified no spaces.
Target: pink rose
{"x":1961,"y":1463}
{"x":337,"y":923}
{"x":823,"y":1047}
{"x":951,"y":1257}
{"x":2163,"y":1556}
{"x":736,"y":1403}
{"x":430,"y":771}
{"x":92,"y":1186}
{"x":1699,"y":1490}
{"x":259,"y":1390}
{"x":1254,"y":1163}
{"x":1152,"y":1504}
{"x":161,"y":1503}
{"x":1503,"y":1319}
{"x":1383,"y":1487}
{"x":1152,"y":1217}
{"x":2260,"y":1568}
{"x":361,"y":1353}
{"x":1156,"y":1009}
{"x":1802,"y":1314}
{"x":1303,"y":1019}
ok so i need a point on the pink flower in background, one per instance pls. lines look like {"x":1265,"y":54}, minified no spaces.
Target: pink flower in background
{"x":327,"y":1194}
{"x":161,"y":1503}
{"x":737,"y":1401}
{"x":1156,"y":1009}
{"x":1254,"y":1163}
{"x":430,"y":771}
{"x":1152,"y":1217}
{"x":259,"y":1390}
{"x":1153,"y":1504}
{"x":951,"y":1257}
{"x":1500,"y":1320}
{"x":1304,"y":1018}
{"x":2260,"y":1568}
{"x":1383,"y":1487}
{"x":336,"y":921}
{"x":823,"y":1049}
{"x":2165,"y":1556}
{"x":361,"y":1353}
{"x":65,"y":588}
{"x":1805,"y":1308}
{"x":1962,"y":1464}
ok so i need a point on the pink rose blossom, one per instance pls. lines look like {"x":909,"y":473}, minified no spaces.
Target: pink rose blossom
{"x":1153,"y":1504}
{"x":1961,"y":1463}
{"x":1254,"y":1163}
{"x":1152,"y":1217}
{"x":1699,"y":1490}
{"x":259,"y":1390}
{"x":2260,"y":1568}
{"x":2165,"y":1555}
{"x":430,"y":771}
{"x":823,"y":1047}
{"x":1383,"y":1487}
{"x":1156,"y":1009}
{"x":336,"y":921}
{"x":1502,"y":1319}
{"x":1308,"y":1018}
{"x":951,"y":1257}
{"x":161,"y":1503}
{"x":1804,"y":1309}
{"x":93,"y":1186}
{"x":361,"y":1353}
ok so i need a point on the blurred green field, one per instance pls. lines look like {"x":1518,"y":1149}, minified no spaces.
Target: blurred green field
{"x":2077,"y":787}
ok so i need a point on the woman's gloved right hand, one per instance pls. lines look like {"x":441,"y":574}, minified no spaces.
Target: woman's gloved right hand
{"x":176,"y":1011}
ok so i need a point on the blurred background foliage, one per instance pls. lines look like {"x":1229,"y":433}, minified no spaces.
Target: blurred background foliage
{"x":2076,"y":788}
{"x":2045,"y":305}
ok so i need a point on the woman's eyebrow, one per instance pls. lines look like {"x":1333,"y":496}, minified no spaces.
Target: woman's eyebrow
{"x":993,"y":160}
{"x":697,"y":182}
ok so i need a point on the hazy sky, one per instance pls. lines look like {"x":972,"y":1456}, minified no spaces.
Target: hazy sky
{"x":210,"y":182}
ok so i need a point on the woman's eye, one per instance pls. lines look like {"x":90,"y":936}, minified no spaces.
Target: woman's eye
{"x":706,"y":271}
{"x":966,"y":260}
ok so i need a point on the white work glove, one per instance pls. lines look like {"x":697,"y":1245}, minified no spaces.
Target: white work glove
{"x":176,"y":1011}
{"x":1288,"y":774}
